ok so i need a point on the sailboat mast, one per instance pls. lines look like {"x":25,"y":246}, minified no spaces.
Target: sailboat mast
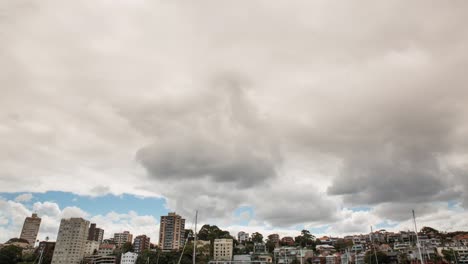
{"x":195,"y":238}
{"x":373,"y":245}
{"x":417,"y":238}
{"x":40,"y":257}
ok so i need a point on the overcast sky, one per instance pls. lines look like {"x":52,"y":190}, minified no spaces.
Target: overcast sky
{"x":264,"y":115}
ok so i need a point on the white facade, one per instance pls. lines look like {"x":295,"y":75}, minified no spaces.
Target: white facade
{"x":90,"y":247}
{"x":129,"y":258}
{"x":222,"y":249}
{"x":242,"y":236}
{"x":71,"y":239}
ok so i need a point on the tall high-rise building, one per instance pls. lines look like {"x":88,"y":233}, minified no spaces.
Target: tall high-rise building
{"x":71,"y":239}
{"x":141,"y":243}
{"x":30,"y":229}
{"x":172,"y":232}
{"x":122,"y":238}
{"x":95,"y":234}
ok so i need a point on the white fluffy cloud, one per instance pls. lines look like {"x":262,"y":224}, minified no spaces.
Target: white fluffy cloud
{"x":25,"y":197}
{"x":12,"y":215}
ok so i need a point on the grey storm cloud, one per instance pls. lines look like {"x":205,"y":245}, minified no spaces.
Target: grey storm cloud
{"x":367,"y":100}
{"x":199,"y":159}
{"x":223,"y":140}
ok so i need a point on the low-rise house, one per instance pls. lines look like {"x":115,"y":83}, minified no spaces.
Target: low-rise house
{"x":325,"y":249}
{"x":333,"y":259}
{"x":242,"y":258}
{"x":401,"y":246}
{"x":358,"y":248}
{"x":106,"y":249}
{"x":285,"y":255}
{"x":259,"y":248}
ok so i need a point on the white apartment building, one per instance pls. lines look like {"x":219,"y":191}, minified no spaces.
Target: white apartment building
{"x":30,"y":229}
{"x":223,"y":249}
{"x":128,"y":258}
{"x":242,"y":237}
{"x":71,"y":240}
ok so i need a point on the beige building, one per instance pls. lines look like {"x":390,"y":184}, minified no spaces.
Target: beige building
{"x":31,"y":229}
{"x":172,"y":232}
{"x":222,"y":249}
{"x":122,"y":238}
{"x":71,"y":241}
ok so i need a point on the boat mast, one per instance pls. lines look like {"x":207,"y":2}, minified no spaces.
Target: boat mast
{"x":373,"y":245}
{"x":417,"y":238}
{"x":195,"y":238}
{"x":40,"y":257}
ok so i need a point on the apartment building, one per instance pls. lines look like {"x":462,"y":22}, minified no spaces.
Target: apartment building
{"x":95,"y":234}
{"x":172,"y":232}
{"x":222,"y":249}
{"x":71,"y":239}
{"x":31,"y":229}
{"x":122,"y":238}
{"x":141,"y":243}
{"x":242,"y":237}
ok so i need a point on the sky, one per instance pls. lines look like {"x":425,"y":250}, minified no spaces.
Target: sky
{"x":269,"y":116}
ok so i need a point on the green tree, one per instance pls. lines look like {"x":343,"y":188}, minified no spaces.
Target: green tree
{"x":306,"y":239}
{"x":257,"y":237}
{"x":403,"y":258}
{"x":429,"y":230}
{"x":10,"y":254}
{"x":249,"y":246}
{"x":127,"y":247}
{"x":450,"y":255}
{"x":212,"y":232}
{"x":382,"y":258}
{"x":295,"y":261}
{"x":270,"y":245}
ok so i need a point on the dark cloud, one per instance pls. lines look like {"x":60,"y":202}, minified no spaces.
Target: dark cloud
{"x":221,"y":141}
{"x":195,"y":158}
{"x":400,"y":211}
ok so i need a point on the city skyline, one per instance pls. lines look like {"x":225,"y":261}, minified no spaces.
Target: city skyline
{"x":319,"y":115}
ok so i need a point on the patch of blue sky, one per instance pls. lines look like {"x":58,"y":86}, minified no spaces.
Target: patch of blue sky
{"x":361,"y":209}
{"x":319,"y":229}
{"x":100,"y":204}
{"x":453,"y":205}
{"x":386,"y":224}
{"x":244,"y":214}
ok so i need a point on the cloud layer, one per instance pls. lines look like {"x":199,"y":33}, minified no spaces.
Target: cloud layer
{"x":299,"y":110}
